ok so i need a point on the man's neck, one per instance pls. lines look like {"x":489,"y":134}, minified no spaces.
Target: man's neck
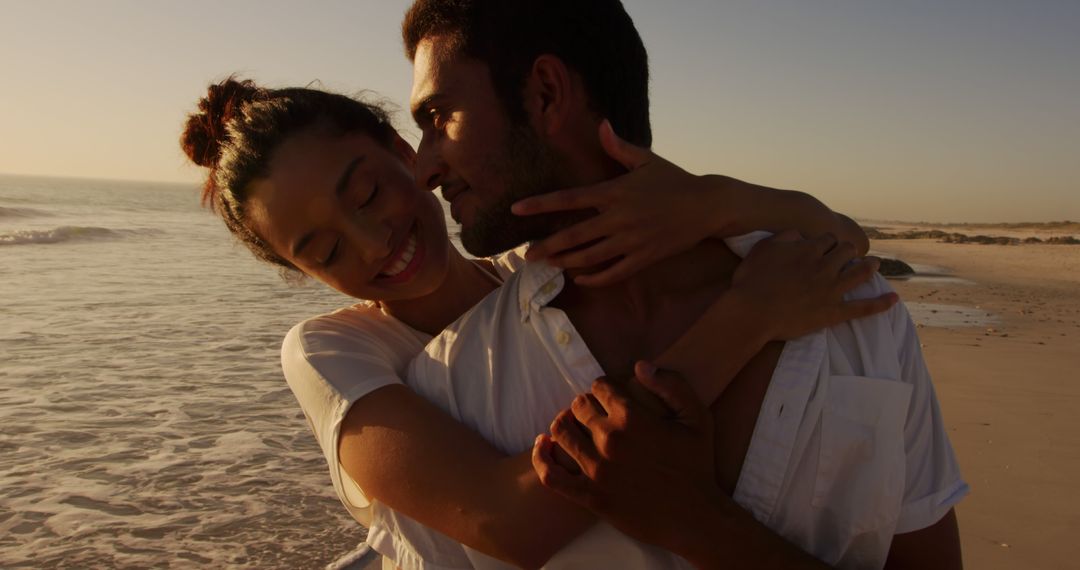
{"x":645,"y":314}
{"x":709,"y":265}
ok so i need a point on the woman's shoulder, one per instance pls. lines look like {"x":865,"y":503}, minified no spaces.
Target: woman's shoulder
{"x":363,"y":327}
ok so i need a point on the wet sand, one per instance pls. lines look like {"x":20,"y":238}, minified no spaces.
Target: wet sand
{"x":1010,"y":392}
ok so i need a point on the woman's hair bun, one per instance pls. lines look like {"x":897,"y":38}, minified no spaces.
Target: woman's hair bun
{"x":205,"y":132}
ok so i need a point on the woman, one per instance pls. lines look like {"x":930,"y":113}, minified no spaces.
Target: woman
{"x":321,"y":184}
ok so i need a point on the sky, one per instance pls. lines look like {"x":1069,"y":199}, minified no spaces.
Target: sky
{"x":935,"y":110}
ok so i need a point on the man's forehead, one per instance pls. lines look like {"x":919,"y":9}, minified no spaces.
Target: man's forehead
{"x":438,"y":67}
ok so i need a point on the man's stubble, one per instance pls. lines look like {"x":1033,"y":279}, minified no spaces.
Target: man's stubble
{"x":525,"y":168}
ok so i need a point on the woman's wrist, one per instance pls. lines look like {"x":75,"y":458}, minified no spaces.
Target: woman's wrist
{"x":733,"y":326}
{"x":734,"y":207}
{"x":720,"y":202}
{"x":752,"y":315}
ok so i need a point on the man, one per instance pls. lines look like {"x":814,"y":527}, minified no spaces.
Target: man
{"x":509,"y":96}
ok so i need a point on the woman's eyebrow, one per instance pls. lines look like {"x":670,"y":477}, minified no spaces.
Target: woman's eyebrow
{"x":344,"y":180}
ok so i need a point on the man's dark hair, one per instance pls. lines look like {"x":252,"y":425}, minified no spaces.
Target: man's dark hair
{"x":595,"y":38}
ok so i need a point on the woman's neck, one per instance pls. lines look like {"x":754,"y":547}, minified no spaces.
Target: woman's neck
{"x":465,"y":284}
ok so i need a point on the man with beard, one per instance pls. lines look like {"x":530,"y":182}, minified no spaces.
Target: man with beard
{"x":829,"y":447}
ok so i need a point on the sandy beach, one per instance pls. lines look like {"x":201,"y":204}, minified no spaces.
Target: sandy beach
{"x":1008,"y":389}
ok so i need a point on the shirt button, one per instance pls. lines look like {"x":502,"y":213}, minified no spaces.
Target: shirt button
{"x":548,"y":288}
{"x":563,"y":338}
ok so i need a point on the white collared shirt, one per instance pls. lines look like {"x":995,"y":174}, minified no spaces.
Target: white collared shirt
{"x":849,"y":447}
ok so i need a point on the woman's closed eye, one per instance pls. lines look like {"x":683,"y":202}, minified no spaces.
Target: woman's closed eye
{"x":370,"y":198}
{"x":328,"y":259}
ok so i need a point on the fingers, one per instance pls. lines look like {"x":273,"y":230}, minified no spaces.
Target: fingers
{"x":674,"y":391}
{"x":574,"y":236}
{"x":587,"y":410}
{"x":612,"y":400}
{"x":787,"y":235}
{"x":630,"y":156}
{"x":576,"y":441}
{"x":591,"y":256}
{"x":824,"y":244}
{"x":554,"y":476}
{"x":620,"y":271}
{"x":858,"y":272}
{"x":839,"y":256}
{"x":865,"y":307}
{"x":561,"y":201}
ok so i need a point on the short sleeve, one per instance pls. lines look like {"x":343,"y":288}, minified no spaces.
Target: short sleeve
{"x":332,"y":361}
{"x":933,"y":484}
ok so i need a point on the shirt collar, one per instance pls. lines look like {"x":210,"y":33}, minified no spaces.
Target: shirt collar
{"x":538,"y":284}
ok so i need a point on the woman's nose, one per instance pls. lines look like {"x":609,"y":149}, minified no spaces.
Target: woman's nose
{"x":374,"y":240}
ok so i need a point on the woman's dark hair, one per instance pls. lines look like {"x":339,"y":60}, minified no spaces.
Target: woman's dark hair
{"x":595,"y":38}
{"x":240,"y":125}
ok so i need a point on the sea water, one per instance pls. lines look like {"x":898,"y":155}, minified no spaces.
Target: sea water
{"x":144,"y":418}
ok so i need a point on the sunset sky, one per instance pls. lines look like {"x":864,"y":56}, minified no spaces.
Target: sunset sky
{"x":964,"y":110}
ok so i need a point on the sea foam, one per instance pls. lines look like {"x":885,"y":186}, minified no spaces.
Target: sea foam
{"x":9,"y":212}
{"x":68,"y":233}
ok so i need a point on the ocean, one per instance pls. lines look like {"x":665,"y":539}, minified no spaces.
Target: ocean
{"x":144,"y":418}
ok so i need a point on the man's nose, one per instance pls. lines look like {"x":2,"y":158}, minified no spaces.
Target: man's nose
{"x":430,"y":167}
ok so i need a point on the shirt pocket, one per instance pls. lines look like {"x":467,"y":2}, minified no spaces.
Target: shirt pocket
{"x":860,"y":477}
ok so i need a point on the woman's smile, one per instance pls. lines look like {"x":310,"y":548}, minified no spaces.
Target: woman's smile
{"x":405,"y":261}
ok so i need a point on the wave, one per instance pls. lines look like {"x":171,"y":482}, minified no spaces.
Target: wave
{"x":68,"y":233}
{"x":21,"y":213}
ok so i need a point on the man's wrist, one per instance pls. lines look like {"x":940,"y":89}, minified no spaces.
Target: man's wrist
{"x":711,"y":522}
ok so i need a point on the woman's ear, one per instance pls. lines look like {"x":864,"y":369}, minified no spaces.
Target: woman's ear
{"x":404,"y":150}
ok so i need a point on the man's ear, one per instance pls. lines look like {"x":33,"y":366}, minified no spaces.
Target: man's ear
{"x":404,"y":150}
{"x":550,"y":94}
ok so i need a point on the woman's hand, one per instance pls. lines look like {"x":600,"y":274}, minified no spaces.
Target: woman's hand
{"x":796,"y":286}
{"x":653,"y":212}
{"x":658,"y":210}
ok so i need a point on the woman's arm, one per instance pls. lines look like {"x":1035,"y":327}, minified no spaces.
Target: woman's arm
{"x":405,"y":452}
{"x":658,"y":209}
{"x":785,"y":288}
{"x":764,"y":208}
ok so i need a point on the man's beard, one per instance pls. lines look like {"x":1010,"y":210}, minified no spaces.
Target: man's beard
{"x":526,"y":168}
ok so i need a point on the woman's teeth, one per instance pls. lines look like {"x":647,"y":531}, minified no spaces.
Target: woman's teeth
{"x":403,"y":261}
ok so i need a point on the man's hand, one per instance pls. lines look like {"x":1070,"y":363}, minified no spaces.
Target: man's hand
{"x":652,"y":476}
{"x":638,"y":470}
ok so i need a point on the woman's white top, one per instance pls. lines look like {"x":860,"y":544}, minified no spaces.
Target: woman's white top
{"x":332,"y":360}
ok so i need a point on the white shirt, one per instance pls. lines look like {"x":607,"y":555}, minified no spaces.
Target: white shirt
{"x":849,"y":448}
{"x":330,"y":361}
